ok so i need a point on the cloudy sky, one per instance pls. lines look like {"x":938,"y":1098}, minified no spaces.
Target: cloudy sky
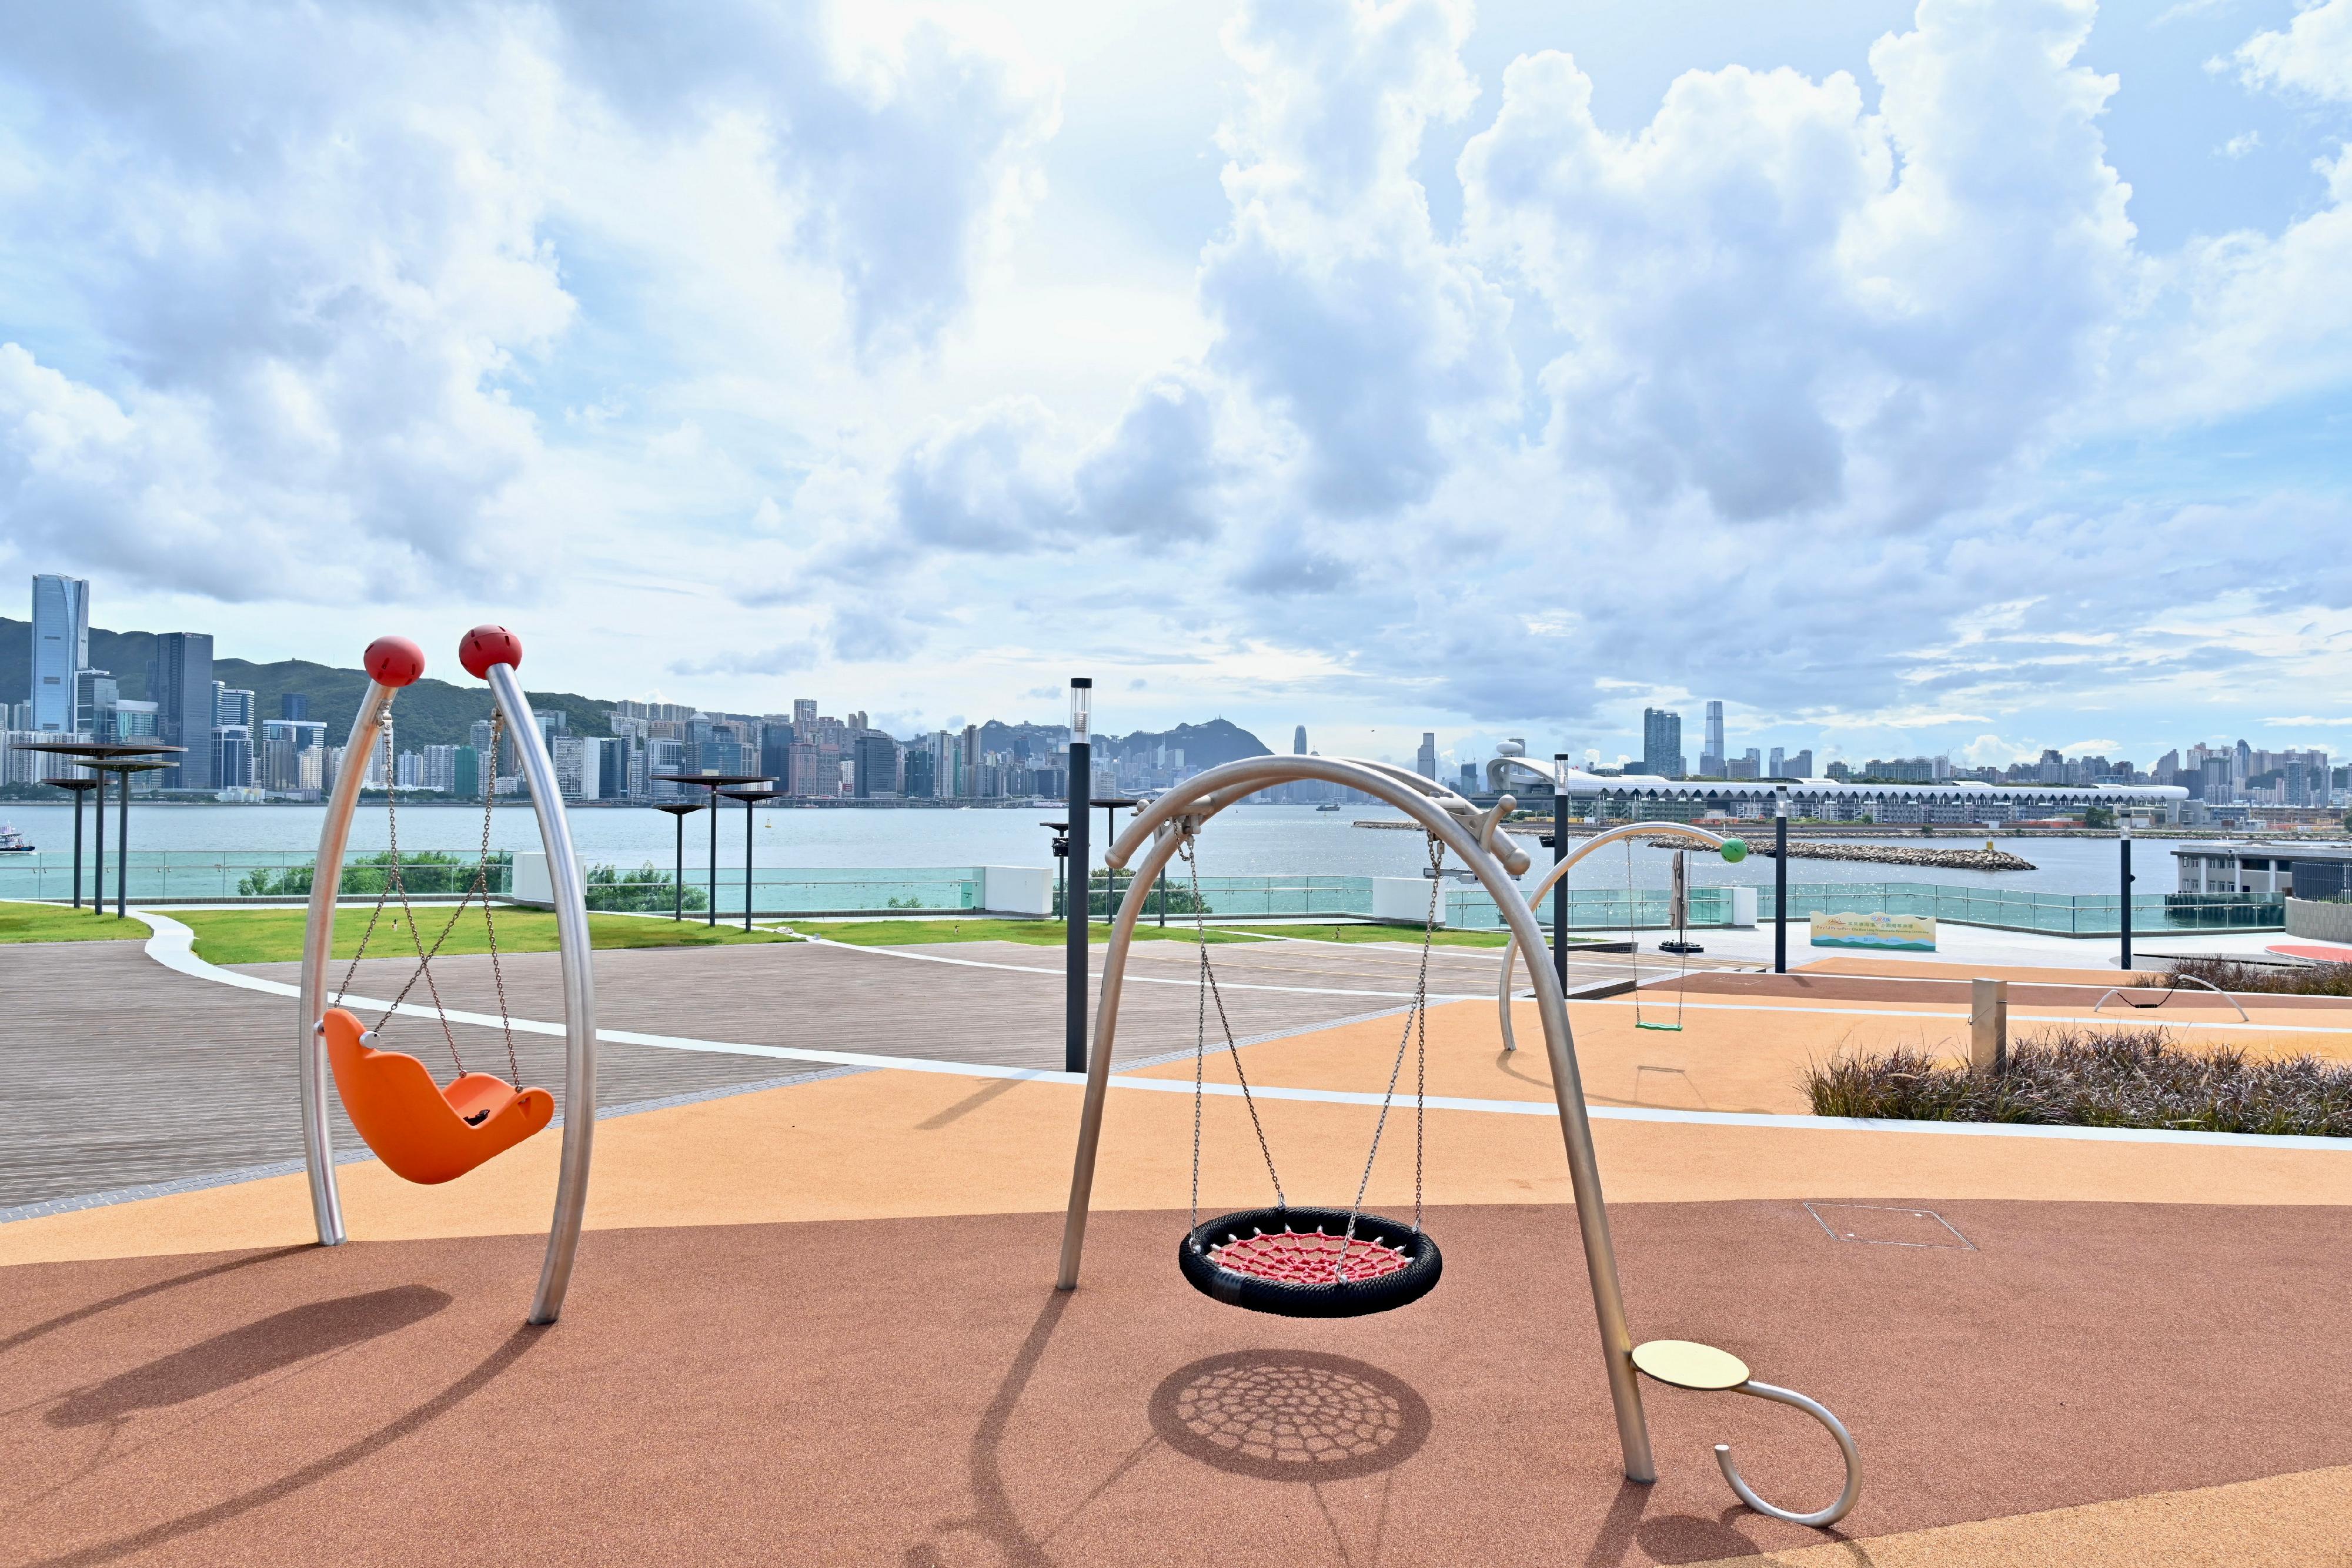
{"x":1970,"y":377}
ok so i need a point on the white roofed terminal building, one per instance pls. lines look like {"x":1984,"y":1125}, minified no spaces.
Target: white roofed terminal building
{"x":1649,"y":797}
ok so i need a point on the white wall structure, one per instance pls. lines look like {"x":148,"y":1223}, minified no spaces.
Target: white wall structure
{"x":531,"y":883}
{"x":1405,"y":899}
{"x":1016,"y":889}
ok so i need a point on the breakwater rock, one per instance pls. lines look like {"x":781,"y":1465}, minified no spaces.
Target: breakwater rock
{"x":1987,"y":859}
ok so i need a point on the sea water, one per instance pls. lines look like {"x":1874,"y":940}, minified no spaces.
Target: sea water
{"x":1244,"y":840}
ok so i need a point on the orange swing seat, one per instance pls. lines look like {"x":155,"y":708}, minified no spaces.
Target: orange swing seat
{"x":422,"y":1132}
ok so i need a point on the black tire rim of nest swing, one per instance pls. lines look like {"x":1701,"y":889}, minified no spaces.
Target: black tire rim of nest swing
{"x":1331,"y":1297}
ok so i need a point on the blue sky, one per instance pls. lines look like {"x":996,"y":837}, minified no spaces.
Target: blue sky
{"x":1969,"y":376}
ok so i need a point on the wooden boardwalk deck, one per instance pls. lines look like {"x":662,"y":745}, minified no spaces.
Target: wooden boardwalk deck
{"x":117,"y":1072}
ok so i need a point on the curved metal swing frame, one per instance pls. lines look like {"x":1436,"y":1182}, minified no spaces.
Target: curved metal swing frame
{"x":1561,"y":868}
{"x":1476,"y":837}
{"x":579,"y":981}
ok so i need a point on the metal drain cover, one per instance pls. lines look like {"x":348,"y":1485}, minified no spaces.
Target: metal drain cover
{"x":1889,"y":1225}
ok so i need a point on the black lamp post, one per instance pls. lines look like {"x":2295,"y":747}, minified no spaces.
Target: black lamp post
{"x":2126,"y":826}
{"x":679,"y":810}
{"x":1780,"y":882}
{"x":1077,"y":905}
{"x":1559,"y":853}
{"x":750,"y":799}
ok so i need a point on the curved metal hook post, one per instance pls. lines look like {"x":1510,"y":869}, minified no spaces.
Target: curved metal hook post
{"x":1819,"y":1412}
{"x":2193,"y":979}
{"x":1561,"y":868}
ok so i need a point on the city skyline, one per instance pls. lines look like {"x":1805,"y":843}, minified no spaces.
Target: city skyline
{"x":703,"y":405}
{"x":233,"y":749}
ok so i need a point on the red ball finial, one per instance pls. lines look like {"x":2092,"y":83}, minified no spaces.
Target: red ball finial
{"x":394,"y":660}
{"x":487,"y":645}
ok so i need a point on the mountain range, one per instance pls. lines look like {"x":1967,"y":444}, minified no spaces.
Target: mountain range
{"x":436,"y":713}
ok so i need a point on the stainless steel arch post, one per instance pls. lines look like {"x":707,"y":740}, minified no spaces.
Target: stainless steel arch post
{"x":570,"y":894}
{"x":1551,"y":878}
{"x":1473,"y":838}
{"x":317,"y":946}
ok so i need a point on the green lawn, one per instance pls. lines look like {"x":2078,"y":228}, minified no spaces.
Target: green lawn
{"x":275,"y":935}
{"x":53,"y":923}
{"x":985,"y":928}
{"x":1408,"y":934}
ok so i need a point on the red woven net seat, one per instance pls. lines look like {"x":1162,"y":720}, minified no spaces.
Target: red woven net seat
{"x":1301,"y":1262}
{"x":1314,"y":1259}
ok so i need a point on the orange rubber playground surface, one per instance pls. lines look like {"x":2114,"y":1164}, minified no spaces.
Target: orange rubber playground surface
{"x":816,"y":1325}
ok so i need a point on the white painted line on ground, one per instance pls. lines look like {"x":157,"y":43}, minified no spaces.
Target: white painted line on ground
{"x":1139,"y":980}
{"x":173,"y":946}
{"x":1654,"y":1004}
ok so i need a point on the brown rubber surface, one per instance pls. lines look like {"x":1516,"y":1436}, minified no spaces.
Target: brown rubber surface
{"x":913,"y":1391}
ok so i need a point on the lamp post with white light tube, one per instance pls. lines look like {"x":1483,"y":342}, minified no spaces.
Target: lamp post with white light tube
{"x":1077,"y":907}
{"x":1559,"y":853}
{"x":1781,"y":881}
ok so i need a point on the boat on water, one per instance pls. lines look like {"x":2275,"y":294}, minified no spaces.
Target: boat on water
{"x":12,"y":843}
{"x":1329,"y":806}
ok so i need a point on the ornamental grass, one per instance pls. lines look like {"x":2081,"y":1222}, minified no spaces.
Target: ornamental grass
{"x":2081,"y":1077}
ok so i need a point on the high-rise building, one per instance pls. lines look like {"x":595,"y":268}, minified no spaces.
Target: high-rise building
{"x":1711,"y":756}
{"x":876,"y":764}
{"x":616,"y":766}
{"x":60,"y":647}
{"x":133,"y":721}
{"x":804,"y":712}
{"x":465,"y":774}
{"x":802,"y":776}
{"x":440,"y":771}
{"x":232,"y":746}
{"x":776,"y":753}
{"x":1780,"y":760}
{"x":1662,"y":743}
{"x":1800,"y":766}
{"x":576,"y":767}
{"x":1425,"y":762}
{"x":232,"y":705}
{"x":182,"y":688}
{"x":293,"y":705}
{"x":1298,"y":742}
{"x":96,"y":696}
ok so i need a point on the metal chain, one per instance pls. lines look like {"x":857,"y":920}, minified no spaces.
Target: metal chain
{"x":382,"y":893}
{"x":398,"y":884}
{"x":482,"y":881}
{"x":1208,"y":991}
{"x":481,"y":885}
{"x":1417,"y":1025}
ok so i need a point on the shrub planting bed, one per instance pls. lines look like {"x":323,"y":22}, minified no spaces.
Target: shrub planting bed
{"x":2289,"y":979}
{"x":2096,"y":1078}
